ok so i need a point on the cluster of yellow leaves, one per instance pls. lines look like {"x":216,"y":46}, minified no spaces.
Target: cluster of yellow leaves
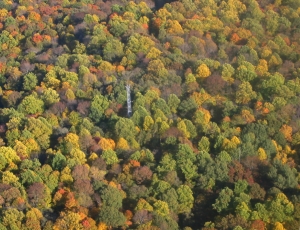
{"x":203,"y":71}
{"x":72,"y":139}
{"x":243,"y":33}
{"x":182,"y":127}
{"x":282,"y":153}
{"x":3,"y":14}
{"x":122,"y":144}
{"x":66,"y":176}
{"x":106,"y":143}
{"x":173,"y":27}
{"x":153,"y":53}
{"x":143,"y":205}
{"x":231,"y":144}
{"x":262,"y":155}
{"x":102,"y":226}
{"x":262,"y":67}
{"x":201,"y":97}
{"x":148,"y":123}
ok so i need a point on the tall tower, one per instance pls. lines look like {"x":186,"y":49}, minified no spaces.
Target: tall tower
{"x":129,"y":111}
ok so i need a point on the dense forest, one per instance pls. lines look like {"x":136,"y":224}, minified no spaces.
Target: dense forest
{"x":213,"y":140}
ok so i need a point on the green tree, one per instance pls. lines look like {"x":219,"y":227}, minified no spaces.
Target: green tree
{"x":41,"y":131}
{"x":185,"y":199}
{"x":30,"y":81}
{"x":125,"y":128}
{"x":280,"y":208}
{"x":98,"y":106}
{"x":31,"y":105}
{"x":223,"y":201}
{"x":59,"y":161}
{"x":161,"y":208}
{"x":113,"y":50}
{"x":173,"y":102}
{"x":245,"y":93}
{"x":50,"y":96}
{"x":9,"y":155}
{"x":12,"y":218}
{"x":110,"y":157}
{"x":112,"y":217}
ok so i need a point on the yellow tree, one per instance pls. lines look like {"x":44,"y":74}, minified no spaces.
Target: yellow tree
{"x":72,"y":140}
{"x":203,"y":71}
{"x":174,"y":27}
{"x":278,"y":226}
{"x":262,"y":67}
{"x":106,"y":144}
{"x":122,"y":144}
{"x":33,"y":218}
{"x":182,"y":127}
{"x":68,"y":220}
{"x":201,"y":97}
{"x":66,"y":176}
{"x":262,"y":155}
{"x":148,"y":123}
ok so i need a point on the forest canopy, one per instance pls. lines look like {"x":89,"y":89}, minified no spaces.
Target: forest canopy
{"x":213,"y":140}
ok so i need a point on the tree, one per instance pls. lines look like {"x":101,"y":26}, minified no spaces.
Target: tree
{"x":111,"y":197}
{"x":106,"y":144}
{"x":142,"y":174}
{"x":204,"y":144}
{"x":110,"y":157}
{"x":161,"y":208}
{"x":185,"y":199}
{"x":173,"y":102}
{"x":157,"y":69}
{"x":31,"y":105}
{"x":125,"y":128}
{"x":33,"y":218}
{"x":68,"y":220}
{"x":256,"y":192}
{"x":282,"y":175}
{"x":185,"y":158}
{"x":122,"y":144}
{"x":142,"y":217}
{"x":245,"y":72}
{"x":9,"y":155}
{"x":76,"y":156}
{"x":50,"y":96}
{"x":174,"y":27}
{"x":280,"y":208}
{"x":223,"y":201}
{"x":112,"y":217}
{"x":12,"y":218}
{"x":30,"y":81}
{"x":41,"y":130}
{"x":113,"y":50}
{"x":245,"y":93}
{"x":39,"y":195}
{"x":29,"y":177}
{"x":148,"y":123}
{"x":98,"y":106}
{"x":203,"y":71}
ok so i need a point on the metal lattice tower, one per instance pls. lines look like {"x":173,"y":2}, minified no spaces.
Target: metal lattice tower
{"x":129,"y":111}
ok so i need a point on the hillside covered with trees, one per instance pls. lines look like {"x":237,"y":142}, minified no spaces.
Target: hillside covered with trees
{"x":214,"y":137}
